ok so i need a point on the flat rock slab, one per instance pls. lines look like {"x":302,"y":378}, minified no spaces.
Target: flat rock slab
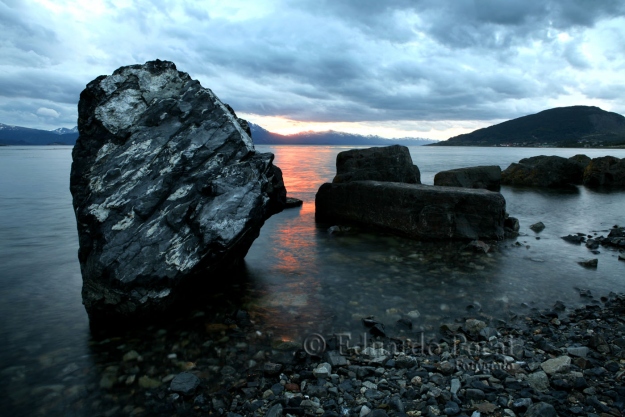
{"x":414,"y":210}
{"x":167,"y":190}
{"x":486,"y":177}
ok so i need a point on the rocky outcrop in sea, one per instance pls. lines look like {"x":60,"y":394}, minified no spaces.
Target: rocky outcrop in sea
{"x":167,"y":188}
{"x":544,"y":171}
{"x":556,"y":171}
{"x":605,"y":171}
{"x":418,"y":211}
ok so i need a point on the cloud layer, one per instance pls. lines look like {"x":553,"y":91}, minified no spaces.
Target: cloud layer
{"x":422,"y":66}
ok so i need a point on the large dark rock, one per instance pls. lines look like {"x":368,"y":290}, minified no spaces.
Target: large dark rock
{"x":487,"y":177}
{"x":543,"y":171}
{"x":167,"y":189}
{"x":416,"y":211}
{"x":387,"y":163}
{"x":606,"y":170}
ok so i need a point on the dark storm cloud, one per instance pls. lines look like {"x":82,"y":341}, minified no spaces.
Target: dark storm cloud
{"x":40,"y":84}
{"x":331,"y":60}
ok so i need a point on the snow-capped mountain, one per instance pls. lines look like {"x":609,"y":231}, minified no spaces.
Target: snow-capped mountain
{"x":65,"y":131}
{"x":261,"y":136}
{"x":18,"y":135}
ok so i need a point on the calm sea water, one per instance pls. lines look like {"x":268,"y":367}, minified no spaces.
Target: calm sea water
{"x":298,"y":278}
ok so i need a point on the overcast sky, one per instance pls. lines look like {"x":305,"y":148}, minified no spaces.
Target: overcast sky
{"x":426,"y":68}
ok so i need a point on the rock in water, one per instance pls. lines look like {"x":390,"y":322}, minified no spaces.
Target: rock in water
{"x":384,"y":163}
{"x":487,"y":177}
{"x":414,"y":210}
{"x":167,"y":189}
{"x":606,"y":170}
{"x":543,"y":171}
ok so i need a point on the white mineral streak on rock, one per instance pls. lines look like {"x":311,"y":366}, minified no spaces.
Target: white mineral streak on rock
{"x":180,"y":192}
{"x":105,"y":150}
{"x":154,"y":86}
{"x":153,"y":227}
{"x":109,"y":84}
{"x":136,"y":151}
{"x":154,"y":187}
{"x":227,"y":229}
{"x":125,"y":222}
{"x":96,"y":184}
{"x":177,"y":254}
{"x":159,"y":294}
{"x":99,"y":212}
{"x":121,"y":111}
{"x":246,"y":138}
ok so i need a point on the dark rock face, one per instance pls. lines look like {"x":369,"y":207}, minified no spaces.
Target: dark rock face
{"x":486,"y":177}
{"x":417,"y":211}
{"x":606,"y":170}
{"x":388,"y":163}
{"x":543,"y":171}
{"x":167,"y":189}
{"x":580,"y":159}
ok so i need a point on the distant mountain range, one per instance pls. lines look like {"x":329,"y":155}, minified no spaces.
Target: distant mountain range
{"x":16,"y":135}
{"x":575,"y":127}
{"x":262,"y":136}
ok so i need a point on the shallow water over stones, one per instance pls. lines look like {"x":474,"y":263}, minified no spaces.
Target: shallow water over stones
{"x":299,"y":280}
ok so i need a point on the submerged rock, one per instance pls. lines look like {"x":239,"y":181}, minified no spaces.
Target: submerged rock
{"x":167,"y":189}
{"x":543,"y":171}
{"x":417,"y":211}
{"x":589,"y":263}
{"x":385,"y":163}
{"x":606,"y":170}
{"x":293,"y":202}
{"x":538,"y":227}
{"x":487,"y":177}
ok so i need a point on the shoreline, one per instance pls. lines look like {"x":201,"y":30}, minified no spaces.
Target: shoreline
{"x":571,"y":360}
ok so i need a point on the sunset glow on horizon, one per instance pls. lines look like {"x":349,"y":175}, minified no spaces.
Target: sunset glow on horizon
{"x":440,"y":130}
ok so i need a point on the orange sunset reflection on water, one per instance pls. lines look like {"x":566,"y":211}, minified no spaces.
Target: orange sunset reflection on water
{"x":285,"y":266}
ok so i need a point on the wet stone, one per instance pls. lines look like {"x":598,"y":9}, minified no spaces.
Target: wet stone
{"x":522,"y":404}
{"x":149,"y":383}
{"x":589,"y":263}
{"x":474,"y":394}
{"x":323,"y":370}
{"x":455,"y":385}
{"x":274,"y":411}
{"x":541,"y":410}
{"x":335,"y":358}
{"x":184,"y":383}
{"x":539,"y":381}
{"x":131,"y":356}
{"x":405,"y":361}
{"x":451,"y":408}
{"x":272,"y":368}
{"x":556,"y":365}
{"x":579,"y":351}
{"x":474,"y":325}
{"x":538,"y":227}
